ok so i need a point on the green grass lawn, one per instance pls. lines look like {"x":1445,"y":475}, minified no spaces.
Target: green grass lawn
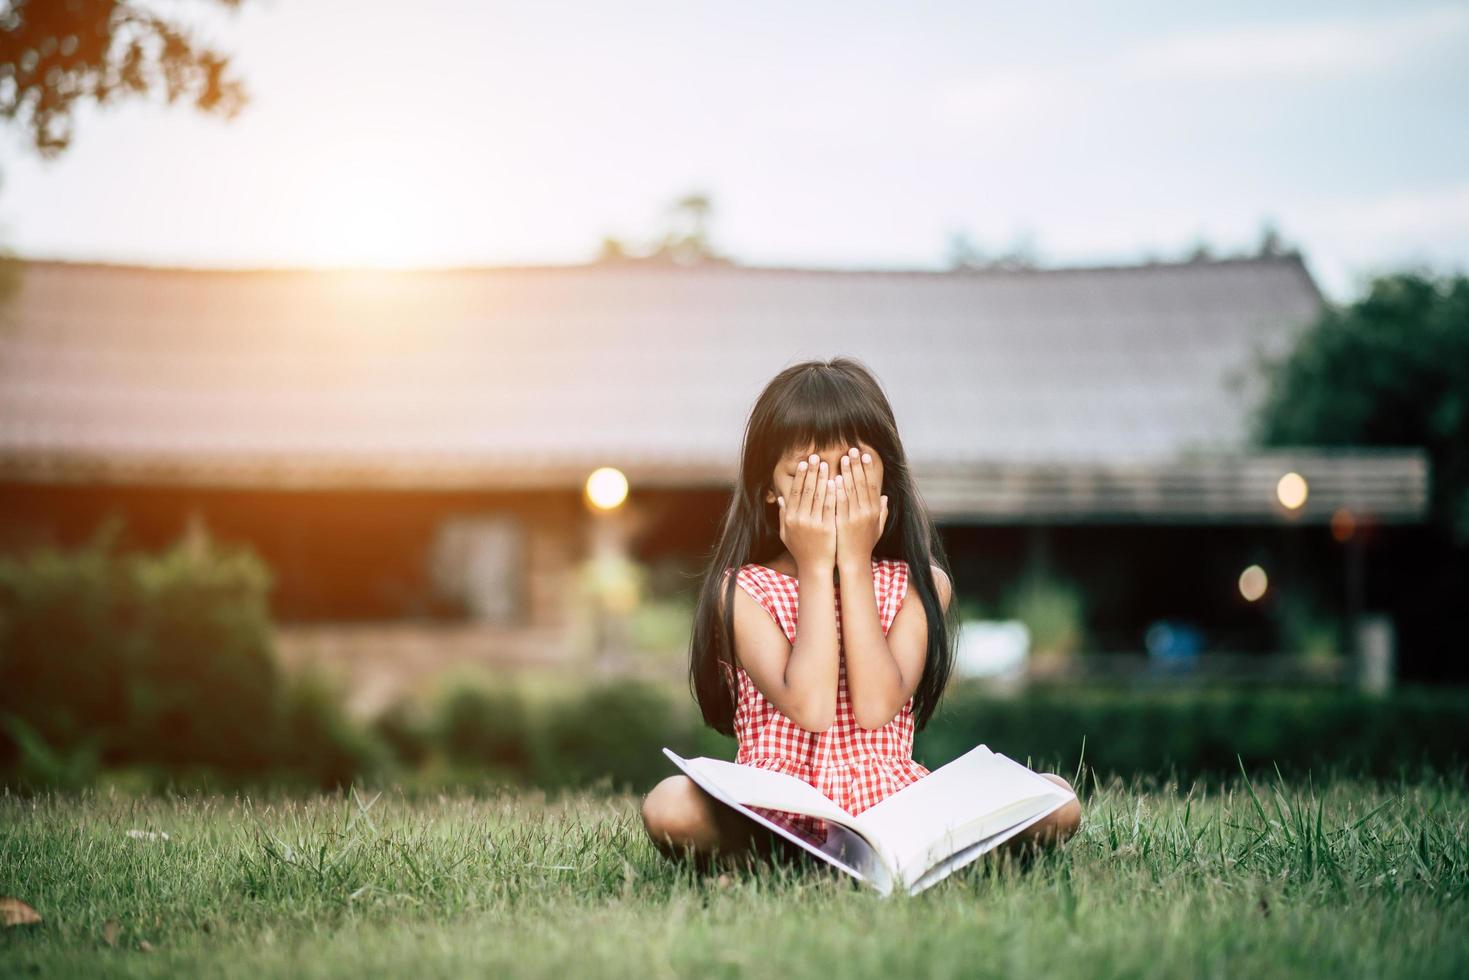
{"x":1351,"y":879}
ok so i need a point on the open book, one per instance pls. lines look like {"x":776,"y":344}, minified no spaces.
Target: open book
{"x":913,"y":839}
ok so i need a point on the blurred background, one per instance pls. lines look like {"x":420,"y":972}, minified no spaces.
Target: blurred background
{"x":372,"y":379}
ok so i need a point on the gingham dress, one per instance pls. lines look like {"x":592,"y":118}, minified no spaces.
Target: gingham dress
{"x":855,"y":767}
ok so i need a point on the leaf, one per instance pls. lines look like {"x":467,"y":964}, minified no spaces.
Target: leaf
{"x":14,"y":912}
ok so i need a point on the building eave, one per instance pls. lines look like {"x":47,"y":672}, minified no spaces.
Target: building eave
{"x":1389,"y":485}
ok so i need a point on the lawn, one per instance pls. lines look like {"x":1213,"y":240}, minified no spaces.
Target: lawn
{"x":1349,"y":879}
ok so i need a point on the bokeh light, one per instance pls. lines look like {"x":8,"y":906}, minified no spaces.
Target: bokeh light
{"x":1291,"y":491}
{"x":1252,"y":583}
{"x":606,"y":487}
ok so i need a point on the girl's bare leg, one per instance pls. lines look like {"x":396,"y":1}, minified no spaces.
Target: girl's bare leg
{"x":679,"y":816}
{"x":1053,"y":829}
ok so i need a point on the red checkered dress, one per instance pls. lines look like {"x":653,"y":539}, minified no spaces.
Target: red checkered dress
{"x":855,"y":767}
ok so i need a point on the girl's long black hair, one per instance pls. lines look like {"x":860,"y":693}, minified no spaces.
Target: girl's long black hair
{"x":817,"y":403}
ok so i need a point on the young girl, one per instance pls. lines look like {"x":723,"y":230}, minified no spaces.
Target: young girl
{"x":825,"y":528}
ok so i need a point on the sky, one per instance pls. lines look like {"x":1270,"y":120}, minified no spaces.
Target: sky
{"x":827,"y":135}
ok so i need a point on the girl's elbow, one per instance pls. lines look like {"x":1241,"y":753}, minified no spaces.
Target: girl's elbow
{"x":817,"y":719}
{"x":871,"y":722}
{"x":819,"y":724}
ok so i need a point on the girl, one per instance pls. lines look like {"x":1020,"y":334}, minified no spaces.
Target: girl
{"x":827,"y":505}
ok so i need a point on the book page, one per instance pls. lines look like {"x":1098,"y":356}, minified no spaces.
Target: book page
{"x":967,"y":855}
{"x":768,"y":788}
{"x":974,"y":796}
{"x":843,"y":847}
{"x":991,"y":831}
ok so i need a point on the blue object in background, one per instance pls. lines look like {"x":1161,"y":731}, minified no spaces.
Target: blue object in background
{"x":1173,"y":644}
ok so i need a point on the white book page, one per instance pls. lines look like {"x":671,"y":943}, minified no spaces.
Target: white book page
{"x":977,"y":795}
{"x":968,"y":855}
{"x":844,"y":848}
{"x":753,"y":786}
{"x":992,"y":831}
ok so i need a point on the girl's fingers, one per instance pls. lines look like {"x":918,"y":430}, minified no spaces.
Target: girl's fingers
{"x":849,"y":465}
{"x":860,"y":474}
{"x":821,"y":487}
{"x":843,"y":507}
{"x":807,"y":478}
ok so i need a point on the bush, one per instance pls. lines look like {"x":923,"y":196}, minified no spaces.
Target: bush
{"x":482,"y":722}
{"x":1052,"y":610}
{"x":1206,"y":733}
{"x":406,"y":730}
{"x":162,"y":664}
{"x":318,"y":742}
{"x":161,"y":659}
{"x":614,"y":731}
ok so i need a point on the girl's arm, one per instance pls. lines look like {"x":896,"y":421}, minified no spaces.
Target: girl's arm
{"x":800,"y":679}
{"x":883,"y":671}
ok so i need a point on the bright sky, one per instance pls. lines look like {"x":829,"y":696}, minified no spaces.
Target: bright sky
{"x":827,"y":134}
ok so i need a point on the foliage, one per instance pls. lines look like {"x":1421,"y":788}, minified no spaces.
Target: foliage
{"x":59,"y":54}
{"x":165,"y":658}
{"x":661,"y":626}
{"x":1391,"y":369}
{"x":38,"y":764}
{"x":1307,"y":626}
{"x":614,"y":731}
{"x":405,"y":729}
{"x":1201,"y":733}
{"x":485,"y":723}
{"x":1052,"y":610}
{"x":162,"y":661}
{"x":317,"y":740}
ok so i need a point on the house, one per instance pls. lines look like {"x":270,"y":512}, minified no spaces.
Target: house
{"x":402,"y":445}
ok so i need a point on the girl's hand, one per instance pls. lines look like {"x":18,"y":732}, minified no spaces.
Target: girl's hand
{"x":861,"y":512}
{"x":808,"y":526}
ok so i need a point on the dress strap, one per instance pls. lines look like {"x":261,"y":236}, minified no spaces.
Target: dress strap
{"x":894,"y":589}
{"x":750,"y":582}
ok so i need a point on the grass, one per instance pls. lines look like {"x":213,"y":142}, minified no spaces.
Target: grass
{"x":1346,"y":879}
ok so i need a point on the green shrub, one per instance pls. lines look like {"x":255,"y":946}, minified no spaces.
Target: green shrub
{"x":318,"y":742}
{"x":406,"y":729}
{"x":615,"y":732}
{"x":1053,"y":610}
{"x":204,"y":687}
{"x":162,"y":664}
{"x":36,"y":765}
{"x":1206,"y":732}
{"x":483,"y":722}
{"x":159,"y":659}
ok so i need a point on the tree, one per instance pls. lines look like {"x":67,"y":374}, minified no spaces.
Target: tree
{"x":612,"y":250}
{"x":1391,"y":369}
{"x":55,"y":54}
{"x":1271,"y":244}
{"x":963,"y":252}
{"x":685,"y":242}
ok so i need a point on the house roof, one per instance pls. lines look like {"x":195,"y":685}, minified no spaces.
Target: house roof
{"x":517,"y":376}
